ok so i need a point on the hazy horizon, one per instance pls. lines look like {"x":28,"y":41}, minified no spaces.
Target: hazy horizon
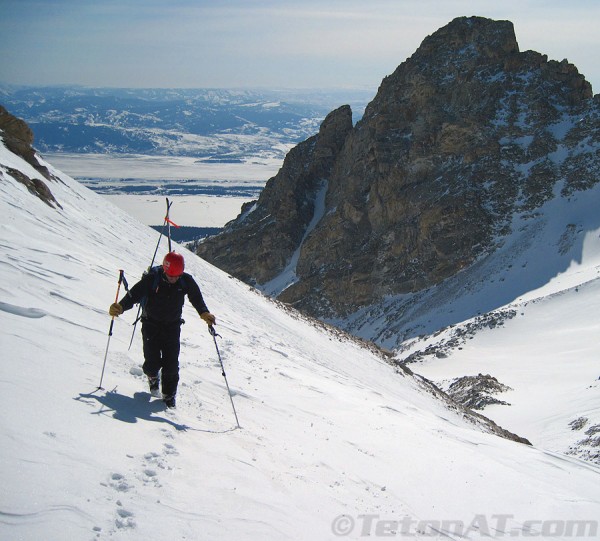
{"x":339,"y":44}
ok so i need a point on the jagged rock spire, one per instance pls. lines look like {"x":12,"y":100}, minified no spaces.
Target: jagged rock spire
{"x":463,"y":135}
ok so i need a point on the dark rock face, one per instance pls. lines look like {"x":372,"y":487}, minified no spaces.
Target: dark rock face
{"x":18,"y":138}
{"x":17,"y":134}
{"x":463,"y":135}
{"x":258,"y":245}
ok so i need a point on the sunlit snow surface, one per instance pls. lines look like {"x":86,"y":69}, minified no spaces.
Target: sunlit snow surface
{"x":328,"y":428}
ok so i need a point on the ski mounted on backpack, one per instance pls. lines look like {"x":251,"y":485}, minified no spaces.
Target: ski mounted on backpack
{"x":166,"y":226}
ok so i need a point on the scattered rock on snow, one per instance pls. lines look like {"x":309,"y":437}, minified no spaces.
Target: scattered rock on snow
{"x":579,"y":423}
{"x":475,"y":392}
{"x":588,"y":448}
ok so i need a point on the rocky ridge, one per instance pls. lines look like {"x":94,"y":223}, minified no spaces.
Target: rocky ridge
{"x":464,"y":135}
{"x":18,"y":138}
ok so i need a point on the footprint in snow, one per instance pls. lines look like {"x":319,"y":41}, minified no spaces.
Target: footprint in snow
{"x":119,"y":483}
{"x":170,"y":449}
{"x":124,"y":517}
{"x":136,"y":371}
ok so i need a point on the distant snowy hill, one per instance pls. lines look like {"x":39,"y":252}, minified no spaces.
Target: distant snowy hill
{"x":335,"y":442}
{"x":217,"y":124}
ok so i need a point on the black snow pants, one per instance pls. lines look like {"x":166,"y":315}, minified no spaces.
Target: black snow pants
{"x":161,"y":352}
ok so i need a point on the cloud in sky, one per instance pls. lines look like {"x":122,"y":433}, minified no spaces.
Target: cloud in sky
{"x":261,"y":43}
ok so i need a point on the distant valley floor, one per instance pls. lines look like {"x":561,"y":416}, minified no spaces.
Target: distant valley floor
{"x":205,"y":195}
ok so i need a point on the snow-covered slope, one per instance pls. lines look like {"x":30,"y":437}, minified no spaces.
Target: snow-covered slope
{"x":540,"y":336}
{"x":543,"y":345}
{"x":547,"y":354}
{"x":328,"y":427}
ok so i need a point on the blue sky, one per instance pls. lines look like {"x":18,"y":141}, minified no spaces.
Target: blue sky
{"x":262,"y":43}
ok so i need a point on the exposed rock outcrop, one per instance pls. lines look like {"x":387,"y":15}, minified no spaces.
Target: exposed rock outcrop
{"x":18,"y":138}
{"x":462,"y":136}
{"x":477,"y":392}
{"x":470,"y":415}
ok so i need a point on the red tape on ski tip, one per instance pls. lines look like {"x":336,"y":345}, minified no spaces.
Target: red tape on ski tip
{"x":172,"y":223}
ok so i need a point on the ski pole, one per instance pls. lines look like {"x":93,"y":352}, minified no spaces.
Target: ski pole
{"x":112,"y":322}
{"x":214,"y":334}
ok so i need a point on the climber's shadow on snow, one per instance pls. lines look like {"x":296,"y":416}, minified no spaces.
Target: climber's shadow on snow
{"x":129,"y":409}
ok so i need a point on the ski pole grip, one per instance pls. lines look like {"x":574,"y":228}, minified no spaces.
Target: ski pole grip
{"x":121,"y":277}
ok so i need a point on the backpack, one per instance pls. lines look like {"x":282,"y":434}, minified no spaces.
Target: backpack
{"x":155,"y":272}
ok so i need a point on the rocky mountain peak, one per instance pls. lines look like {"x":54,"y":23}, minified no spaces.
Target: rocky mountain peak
{"x":333,"y":132}
{"x":467,"y":39}
{"x":463,"y":135}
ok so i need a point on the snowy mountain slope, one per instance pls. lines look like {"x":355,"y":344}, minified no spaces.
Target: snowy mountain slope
{"x":328,"y":427}
{"x":540,"y":336}
{"x":546,"y":351}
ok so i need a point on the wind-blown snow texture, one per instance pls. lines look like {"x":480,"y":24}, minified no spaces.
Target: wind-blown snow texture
{"x":328,"y":427}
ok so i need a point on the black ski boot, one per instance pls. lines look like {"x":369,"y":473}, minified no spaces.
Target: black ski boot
{"x":154,"y":384}
{"x":169,"y":401}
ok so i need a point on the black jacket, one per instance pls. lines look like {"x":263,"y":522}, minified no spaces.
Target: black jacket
{"x":162,"y":301}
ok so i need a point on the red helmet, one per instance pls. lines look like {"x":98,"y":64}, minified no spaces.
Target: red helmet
{"x":173,"y":264}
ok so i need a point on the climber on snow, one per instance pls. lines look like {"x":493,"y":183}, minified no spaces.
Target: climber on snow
{"x":161,"y":292}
